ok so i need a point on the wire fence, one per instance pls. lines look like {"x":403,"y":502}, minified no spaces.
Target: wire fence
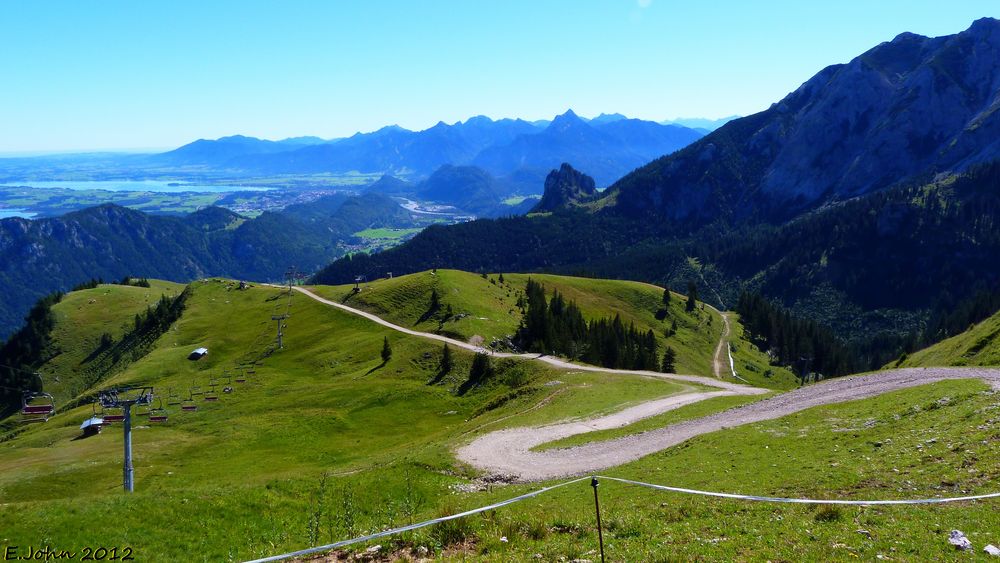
{"x":594,"y":480}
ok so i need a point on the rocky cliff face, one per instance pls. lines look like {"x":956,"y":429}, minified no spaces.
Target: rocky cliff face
{"x":565,"y":187}
{"x":912,"y":107}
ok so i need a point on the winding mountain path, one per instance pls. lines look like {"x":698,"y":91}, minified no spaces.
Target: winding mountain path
{"x":735,"y":388}
{"x":508,"y":451}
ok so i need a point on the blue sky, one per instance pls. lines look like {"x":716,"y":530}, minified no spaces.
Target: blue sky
{"x":137,"y":74}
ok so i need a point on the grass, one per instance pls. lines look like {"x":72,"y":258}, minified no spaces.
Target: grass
{"x":485,"y":309}
{"x":518,"y":199}
{"x":386,"y":234}
{"x":977,"y":346}
{"x":323,"y":404}
{"x":82,"y":317}
{"x":909,"y":444}
{"x":327,"y":443}
{"x":752,"y":365}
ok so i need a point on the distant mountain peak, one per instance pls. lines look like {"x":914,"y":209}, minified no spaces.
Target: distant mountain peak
{"x":983,"y":26}
{"x":478,"y":120}
{"x":608,"y":118}
{"x":566,"y":121}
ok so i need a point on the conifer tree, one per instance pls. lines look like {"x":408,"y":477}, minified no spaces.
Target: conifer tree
{"x":386,"y":350}
{"x":692,"y":298}
{"x":446,"y":362}
{"x":669,"y":358}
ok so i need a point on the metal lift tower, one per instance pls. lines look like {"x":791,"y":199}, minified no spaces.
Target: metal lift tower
{"x":125,"y":399}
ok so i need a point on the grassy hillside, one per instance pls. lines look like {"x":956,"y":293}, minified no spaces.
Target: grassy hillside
{"x":324,"y":404}
{"x":978,"y":346}
{"x":324,"y":443}
{"x":486,"y":309}
{"x":82,"y":317}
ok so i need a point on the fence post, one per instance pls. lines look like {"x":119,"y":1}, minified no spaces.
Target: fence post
{"x":597,"y":509}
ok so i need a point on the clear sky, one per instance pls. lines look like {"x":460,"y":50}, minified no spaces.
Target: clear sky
{"x":101,"y":74}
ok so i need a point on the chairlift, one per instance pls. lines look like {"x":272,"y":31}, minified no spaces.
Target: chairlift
{"x":211,"y":394}
{"x":196,"y":391}
{"x":188,"y":405}
{"x":158,"y":414}
{"x":37,"y":406}
{"x":115,"y":414}
{"x":173,"y":398}
{"x":241,"y":377}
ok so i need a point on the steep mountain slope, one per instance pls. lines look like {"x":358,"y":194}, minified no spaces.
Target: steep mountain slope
{"x":906,"y":108}
{"x":873,"y":261}
{"x":977,"y":346}
{"x":110,"y":242}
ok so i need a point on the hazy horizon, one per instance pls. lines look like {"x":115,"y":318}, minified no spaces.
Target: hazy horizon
{"x":130,"y":76}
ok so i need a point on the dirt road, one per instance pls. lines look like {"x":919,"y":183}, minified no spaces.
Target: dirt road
{"x":508,"y":451}
{"x":552,"y":361}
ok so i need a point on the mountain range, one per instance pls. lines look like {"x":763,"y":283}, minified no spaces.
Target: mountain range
{"x":865,"y":199}
{"x":608,"y":145}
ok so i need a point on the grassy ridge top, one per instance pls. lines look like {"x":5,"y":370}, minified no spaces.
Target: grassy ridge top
{"x":486,"y":308}
{"x":82,"y":317}
{"x":978,"y":346}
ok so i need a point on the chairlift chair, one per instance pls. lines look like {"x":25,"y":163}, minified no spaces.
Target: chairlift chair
{"x":211,"y":394}
{"x":37,"y":406}
{"x":240,"y":377}
{"x":112,"y":415}
{"x":196,"y":391}
{"x":172,"y":397}
{"x":188,"y":405}
{"x":158,"y":414}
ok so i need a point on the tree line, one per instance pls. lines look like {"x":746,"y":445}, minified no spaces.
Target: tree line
{"x":557,"y":326}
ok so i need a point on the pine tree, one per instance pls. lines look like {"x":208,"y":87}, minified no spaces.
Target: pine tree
{"x":692,"y":298}
{"x":666,"y":296}
{"x":435,"y":300}
{"x":386,"y":350}
{"x":446,"y":362}
{"x":500,"y":278}
{"x":481,"y":369}
{"x":669,"y":358}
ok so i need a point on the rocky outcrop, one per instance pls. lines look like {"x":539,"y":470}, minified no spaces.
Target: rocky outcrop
{"x":564,"y":188}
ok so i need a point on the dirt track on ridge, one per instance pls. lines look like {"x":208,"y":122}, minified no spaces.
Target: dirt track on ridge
{"x":508,"y":451}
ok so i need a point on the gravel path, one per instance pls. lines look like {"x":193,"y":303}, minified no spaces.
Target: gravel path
{"x":552,"y":361}
{"x":508,"y":451}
